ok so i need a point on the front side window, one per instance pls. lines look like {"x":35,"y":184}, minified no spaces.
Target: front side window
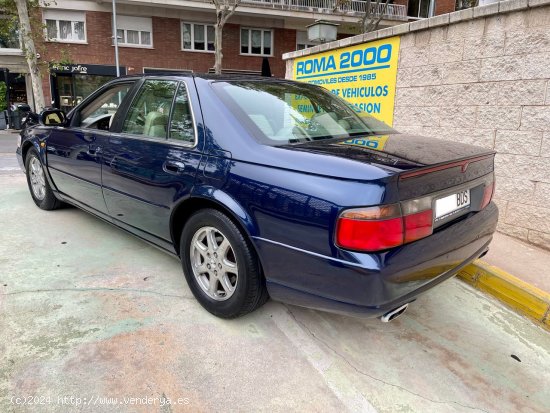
{"x":150,"y":111}
{"x":99,"y":113}
{"x":257,"y":42}
{"x":285,"y":113}
{"x":134,"y":31}
{"x":198,"y":37}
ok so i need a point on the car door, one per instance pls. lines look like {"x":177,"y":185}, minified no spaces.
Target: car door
{"x":152,"y":161}
{"x":74,"y":153}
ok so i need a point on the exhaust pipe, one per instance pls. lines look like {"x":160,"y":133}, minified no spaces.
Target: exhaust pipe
{"x":484,"y":253}
{"x":393,"y":314}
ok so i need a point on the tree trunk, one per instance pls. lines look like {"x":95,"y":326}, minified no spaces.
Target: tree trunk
{"x":30,"y":54}
{"x":218,"y":46}
{"x":223,"y":12}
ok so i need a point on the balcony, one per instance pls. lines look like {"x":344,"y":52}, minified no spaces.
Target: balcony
{"x":347,"y":8}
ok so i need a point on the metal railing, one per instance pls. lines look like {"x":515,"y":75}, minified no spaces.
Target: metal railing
{"x":349,"y":7}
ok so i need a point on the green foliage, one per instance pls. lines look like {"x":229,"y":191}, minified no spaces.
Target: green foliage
{"x":3,"y":102}
{"x":10,"y":31}
{"x":8,"y":24}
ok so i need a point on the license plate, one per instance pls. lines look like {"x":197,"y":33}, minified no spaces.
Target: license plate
{"x":452,"y":204}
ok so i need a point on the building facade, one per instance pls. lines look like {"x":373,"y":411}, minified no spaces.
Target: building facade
{"x":165,"y":35}
{"x":168,"y":35}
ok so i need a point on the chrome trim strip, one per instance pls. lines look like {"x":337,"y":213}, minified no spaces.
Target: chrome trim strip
{"x":352,"y":264}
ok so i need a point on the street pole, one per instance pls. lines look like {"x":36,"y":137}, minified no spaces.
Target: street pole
{"x":115,"y":38}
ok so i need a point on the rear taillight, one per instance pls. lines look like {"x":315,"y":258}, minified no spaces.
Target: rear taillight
{"x":370,"y":229}
{"x":488,"y":194}
{"x":382,"y":227}
{"x":418,"y":225}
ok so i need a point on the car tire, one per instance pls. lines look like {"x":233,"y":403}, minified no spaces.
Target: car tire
{"x":39,"y":187}
{"x":229,"y":284}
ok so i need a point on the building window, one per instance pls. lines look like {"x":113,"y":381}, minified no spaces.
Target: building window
{"x":65,"y":26}
{"x":257,"y":42}
{"x":421,"y":8}
{"x":302,"y":46}
{"x":302,"y":41}
{"x":134,"y":31}
{"x":198,"y":37}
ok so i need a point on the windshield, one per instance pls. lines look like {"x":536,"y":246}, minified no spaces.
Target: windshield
{"x":284,"y":113}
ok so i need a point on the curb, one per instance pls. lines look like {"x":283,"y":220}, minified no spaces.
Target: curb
{"x":525,"y":298}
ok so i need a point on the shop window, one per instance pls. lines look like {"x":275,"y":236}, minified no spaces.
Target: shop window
{"x":257,"y":42}
{"x":65,"y":26}
{"x":134,"y":31}
{"x":198,"y":37}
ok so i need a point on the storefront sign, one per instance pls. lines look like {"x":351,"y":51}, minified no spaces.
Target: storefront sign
{"x":85,"y":69}
{"x":364,"y":75}
{"x":61,"y":68}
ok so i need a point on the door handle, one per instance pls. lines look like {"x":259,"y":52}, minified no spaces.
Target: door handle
{"x":173,"y":167}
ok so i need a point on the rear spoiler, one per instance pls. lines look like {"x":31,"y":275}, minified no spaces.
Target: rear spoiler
{"x":463,"y":166}
{"x":418,"y":182}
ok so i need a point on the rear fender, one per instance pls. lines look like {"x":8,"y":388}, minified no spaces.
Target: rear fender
{"x":210,"y":197}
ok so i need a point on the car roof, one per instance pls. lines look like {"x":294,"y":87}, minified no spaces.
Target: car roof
{"x":206,"y":76}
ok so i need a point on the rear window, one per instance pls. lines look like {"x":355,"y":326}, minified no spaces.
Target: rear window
{"x":285,"y":113}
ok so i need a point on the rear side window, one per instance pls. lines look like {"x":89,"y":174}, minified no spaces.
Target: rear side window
{"x":150,"y":111}
{"x":181,"y":124}
{"x":281,"y":113}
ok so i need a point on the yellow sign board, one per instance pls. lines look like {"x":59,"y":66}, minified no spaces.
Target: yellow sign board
{"x":364,"y":75}
{"x":371,"y":142}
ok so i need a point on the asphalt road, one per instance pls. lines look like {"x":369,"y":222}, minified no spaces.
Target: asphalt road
{"x":94,"y":320}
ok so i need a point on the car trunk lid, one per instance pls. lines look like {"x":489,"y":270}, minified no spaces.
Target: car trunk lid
{"x":423,"y":165}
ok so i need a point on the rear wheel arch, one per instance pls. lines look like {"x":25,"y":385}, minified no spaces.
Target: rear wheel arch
{"x":191,"y":205}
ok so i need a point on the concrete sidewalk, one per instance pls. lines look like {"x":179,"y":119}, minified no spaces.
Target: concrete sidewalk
{"x":525,"y":261}
{"x":515,"y":273}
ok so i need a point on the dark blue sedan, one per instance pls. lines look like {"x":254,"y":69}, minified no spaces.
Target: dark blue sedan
{"x":268,"y":188}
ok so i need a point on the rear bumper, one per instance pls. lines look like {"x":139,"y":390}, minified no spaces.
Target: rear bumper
{"x":372,"y":284}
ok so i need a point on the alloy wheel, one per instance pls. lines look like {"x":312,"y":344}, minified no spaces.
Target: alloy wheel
{"x":38,"y":181}
{"x":214,"y":263}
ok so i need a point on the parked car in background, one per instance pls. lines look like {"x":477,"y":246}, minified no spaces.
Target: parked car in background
{"x":266,"y":187}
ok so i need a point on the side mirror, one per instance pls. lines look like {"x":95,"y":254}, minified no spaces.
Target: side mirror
{"x":53,"y":117}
